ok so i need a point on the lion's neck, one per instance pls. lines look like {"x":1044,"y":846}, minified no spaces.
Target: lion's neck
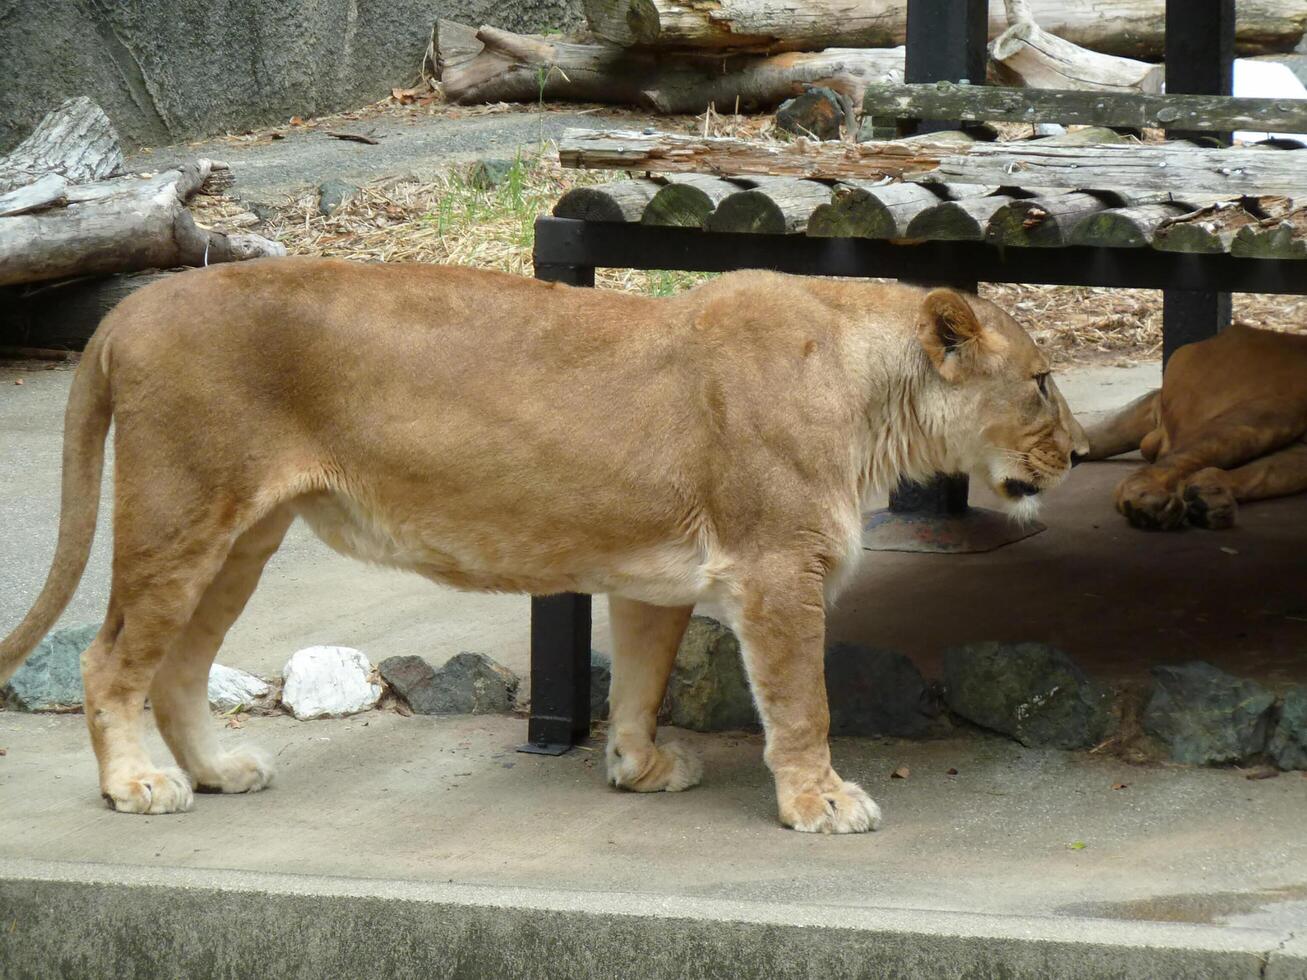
{"x":906,"y":424}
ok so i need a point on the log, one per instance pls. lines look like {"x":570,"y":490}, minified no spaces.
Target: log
{"x":76,"y":141}
{"x":498,"y":66}
{"x":621,"y":201}
{"x":945,"y":100}
{"x":1212,"y":229}
{"x":1216,"y":173}
{"x":1132,"y":28}
{"x":1275,"y":238}
{"x":776,"y":206}
{"x":957,"y":221}
{"x":42,"y":193}
{"x":1045,"y":222}
{"x":687,"y":200}
{"x":1027,"y":56}
{"x":123,"y":224}
{"x":1125,"y":227}
{"x":860,"y":209}
{"x":65,"y":314}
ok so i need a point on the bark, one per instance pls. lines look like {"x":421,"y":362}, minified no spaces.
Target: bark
{"x":490,"y":65}
{"x":121,"y":225}
{"x":1132,"y":28}
{"x":76,"y":141}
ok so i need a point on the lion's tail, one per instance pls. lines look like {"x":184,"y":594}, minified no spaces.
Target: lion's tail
{"x":86,"y":423}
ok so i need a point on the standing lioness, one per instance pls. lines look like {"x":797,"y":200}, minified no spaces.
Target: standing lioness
{"x":498,"y":433}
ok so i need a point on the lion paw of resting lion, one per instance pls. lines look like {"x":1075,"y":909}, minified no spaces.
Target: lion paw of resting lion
{"x":161,"y":791}
{"x":245,"y":771}
{"x":845,"y":810}
{"x":665,"y":768}
{"x":1209,"y":501}
{"x":1150,"y":507}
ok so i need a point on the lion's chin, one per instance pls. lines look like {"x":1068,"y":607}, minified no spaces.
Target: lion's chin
{"x":1023,"y":510}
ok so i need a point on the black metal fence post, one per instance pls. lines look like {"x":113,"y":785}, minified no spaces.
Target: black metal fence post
{"x":560,"y":630}
{"x":1199,"y":61}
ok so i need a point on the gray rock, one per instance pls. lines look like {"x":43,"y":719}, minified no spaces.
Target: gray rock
{"x":817,"y":113}
{"x":1206,"y":716}
{"x":1288,"y":743}
{"x":601,"y":677}
{"x":1031,"y":691}
{"x":489,"y":174}
{"x":51,"y":678}
{"x":876,"y":692}
{"x":708,"y":690}
{"x":332,"y":194}
{"x":469,"y":684}
{"x":413,"y":679}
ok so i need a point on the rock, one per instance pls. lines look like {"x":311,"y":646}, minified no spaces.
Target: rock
{"x":601,"y":677}
{"x":332,"y":194}
{"x":1288,"y":744}
{"x":1206,"y":716}
{"x":469,"y":684}
{"x":876,"y":692}
{"x":231,"y":688}
{"x":1031,"y":691}
{"x":817,"y":113}
{"x":328,"y":682}
{"x":51,"y":678}
{"x":708,"y":690}
{"x":413,"y":679}
{"x":489,"y":174}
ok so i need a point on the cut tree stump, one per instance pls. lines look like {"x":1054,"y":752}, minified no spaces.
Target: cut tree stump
{"x":490,"y":65}
{"x":123,"y":224}
{"x":1133,"y":28}
{"x":76,"y":142}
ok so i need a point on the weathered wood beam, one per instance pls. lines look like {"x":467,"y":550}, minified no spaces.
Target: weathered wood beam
{"x":945,"y":100}
{"x":41,"y":193}
{"x":1044,"y":222}
{"x":1125,"y":227}
{"x":1034,"y":164}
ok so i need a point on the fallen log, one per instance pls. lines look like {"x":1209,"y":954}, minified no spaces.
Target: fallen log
{"x":1028,"y":56}
{"x":490,"y":65}
{"x":1132,"y":28}
{"x":40,"y":193}
{"x":121,"y":225}
{"x":75,"y":141}
{"x":687,"y":200}
{"x":1125,"y":227}
{"x":1283,"y":237}
{"x":1211,"y":230}
{"x":620,"y":201}
{"x":776,"y":206}
{"x":1216,"y":173}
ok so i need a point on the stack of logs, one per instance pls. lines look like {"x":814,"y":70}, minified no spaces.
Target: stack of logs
{"x":673,"y":56}
{"x":69,"y":213}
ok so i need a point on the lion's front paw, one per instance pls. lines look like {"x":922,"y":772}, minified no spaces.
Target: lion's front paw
{"x":843,"y":810}
{"x":161,"y":791}
{"x":243,"y":771}
{"x":1148,"y":505}
{"x":652,"y":769}
{"x":1209,"y":501}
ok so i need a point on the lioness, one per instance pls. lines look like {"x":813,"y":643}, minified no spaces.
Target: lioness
{"x":497,"y":433}
{"x":1229,"y":424}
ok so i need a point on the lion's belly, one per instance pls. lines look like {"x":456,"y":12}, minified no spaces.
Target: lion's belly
{"x":666,"y":574}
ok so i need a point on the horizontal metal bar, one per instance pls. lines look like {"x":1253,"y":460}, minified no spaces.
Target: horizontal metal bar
{"x":632,"y":246}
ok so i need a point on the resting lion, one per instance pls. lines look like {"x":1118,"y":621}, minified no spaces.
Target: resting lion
{"x":1228,"y":425}
{"x":497,"y":433}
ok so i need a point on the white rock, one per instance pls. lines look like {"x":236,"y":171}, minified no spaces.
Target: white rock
{"x":230,"y":688}
{"x":324,"y":682}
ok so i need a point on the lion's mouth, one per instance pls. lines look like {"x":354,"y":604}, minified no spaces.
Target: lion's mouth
{"x":1015,"y":489}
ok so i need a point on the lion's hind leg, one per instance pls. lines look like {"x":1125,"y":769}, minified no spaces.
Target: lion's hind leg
{"x":179,"y":694}
{"x":1126,"y":430}
{"x":645,"y":641}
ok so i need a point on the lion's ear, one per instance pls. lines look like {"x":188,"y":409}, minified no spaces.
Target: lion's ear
{"x":949,"y":332}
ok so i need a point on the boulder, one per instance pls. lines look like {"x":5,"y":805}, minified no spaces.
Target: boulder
{"x":488,"y":174}
{"x":1287,"y":746}
{"x":1206,"y":716}
{"x":332,"y":194}
{"x":413,"y":681}
{"x":876,"y":692}
{"x":469,"y":684}
{"x":1030,"y":691}
{"x":708,"y":690}
{"x":51,"y":678}
{"x":328,"y":682}
{"x":230,"y":688}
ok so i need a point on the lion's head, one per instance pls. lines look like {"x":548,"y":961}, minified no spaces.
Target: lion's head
{"x":1006,"y":420}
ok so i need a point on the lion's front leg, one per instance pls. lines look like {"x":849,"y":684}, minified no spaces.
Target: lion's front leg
{"x":781,"y":623}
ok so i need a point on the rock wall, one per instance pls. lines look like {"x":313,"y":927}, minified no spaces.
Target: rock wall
{"x":170,"y":70}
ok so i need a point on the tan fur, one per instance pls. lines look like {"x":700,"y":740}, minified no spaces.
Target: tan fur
{"x":1228,"y":425}
{"x":491,"y":432}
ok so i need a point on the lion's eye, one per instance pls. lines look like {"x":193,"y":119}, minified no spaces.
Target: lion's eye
{"x":1042,"y":381}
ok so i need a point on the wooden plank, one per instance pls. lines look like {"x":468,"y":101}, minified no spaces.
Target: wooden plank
{"x":776,"y":206}
{"x":687,"y":200}
{"x":1125,"y":227}
{"x":1217,"y":173}
{"x":1275,"y":238}
{"x":623,"y":200}
{"x":991,"y":103}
